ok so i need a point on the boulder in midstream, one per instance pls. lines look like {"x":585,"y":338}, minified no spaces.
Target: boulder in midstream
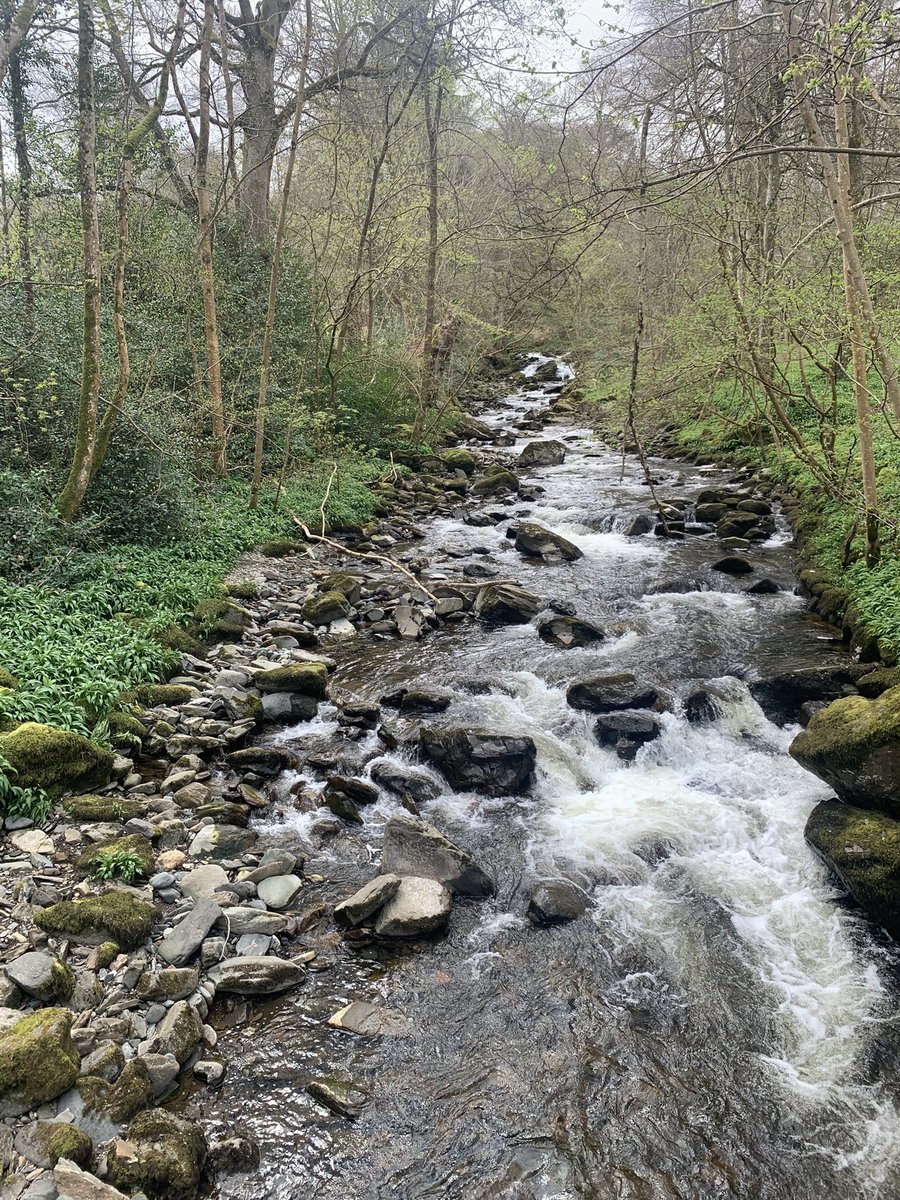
{"x":413,"y":847}
{"x":478,"y":761}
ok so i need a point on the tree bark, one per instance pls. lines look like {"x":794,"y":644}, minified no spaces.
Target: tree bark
{"x":19,"y":110}
{"x":433,"y":104}
{"x":73,"y":493}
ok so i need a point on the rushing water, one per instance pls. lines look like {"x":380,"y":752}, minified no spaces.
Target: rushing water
{"x":718,"y":1025}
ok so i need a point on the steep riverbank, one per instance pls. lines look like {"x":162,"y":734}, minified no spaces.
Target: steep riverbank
{"x":647,"y":985}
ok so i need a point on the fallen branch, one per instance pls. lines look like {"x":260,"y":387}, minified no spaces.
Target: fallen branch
{"x":325,"y":497}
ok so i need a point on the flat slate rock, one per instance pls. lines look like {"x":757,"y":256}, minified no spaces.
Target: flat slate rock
{"x":364,"y":1018}
{"x":252,"y":975}
{"x":183,"y":943}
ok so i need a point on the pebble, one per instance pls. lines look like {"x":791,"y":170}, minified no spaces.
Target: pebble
{"x":155,"y":1014}
{"x":210,"y":1071}
{"x":161,"y":880}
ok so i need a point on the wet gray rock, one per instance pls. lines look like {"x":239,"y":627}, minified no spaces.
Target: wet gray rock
{"x":279,"y":891}
{"x":556,"y":902}
{"x":256,"y":976}
{"x":266,"y":761}
{"x":221,"y":841}
{"x":416,"y":701}
{"x":477,"y":761}
{"x":418,"y":907}
{"x":733,"y":565}
{"x":341,"y":1096}
{"x":368,"y":900}
{"x":764,"y":587}
{"x":567,"y":632}
{"x":210,"y":1071}
{"x":639,"y":525}
{"x":506,"y":604}
{"x":535,"y":541}
{"x":240,"y":920}
{"x":285,"y":708}
{"x":611,"y":693}
{"x":543,"y":454}
{"x":413,"y":847}
{"x":404,"y":781}
{"x":183,"y":943}
{"x":361,"y":1017}
{"x":41,"y":975}
{"x":357,"y":790}
{"x":781,"y":697}
{"x":701,"y":708}
{"x":626,"y":732}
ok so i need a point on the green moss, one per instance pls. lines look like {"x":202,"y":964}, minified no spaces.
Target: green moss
{"x":325,"y":608}
{"x":125,"y":731}
{"x":57,"y":1140}
{"x":62,"y":983}
{"x":54,"y":759}
{"x":306,"y":679}
{"x":496,"y":482}
{"x":7,"y":680}
{"x":280,"y":548}
{"x":101,"y":808}
{"x":243,"y":589}
{"x":863,"y":848}
{"x":131,"y":1092}
{"x":221,"y":617}
{"x":106,"y":953}
{"x":164,"y":1159}
{"x":37,"y":1060}
{"x":173,"y":637}
{"x":460,"y":460}
{"x":877,"y":682}
{"x":116,"y":916}
{"x":167,"y":695}
{"x":347,"y":585}
{"x":133,"y":845}
{"x":171,"y":983}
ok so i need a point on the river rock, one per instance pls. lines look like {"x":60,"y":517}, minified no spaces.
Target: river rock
{"x":854,"y":745}
{"x":32,"y":841}
{"x":267,"y":761}
{"x":114,"y":916}
{"x":56,"y":760}
{"x":203,"y":881}
{"x":72,"y":1183}
{"x":305,"y":678}
{"x":42,"y":975}
{"x":44,"y":1143}
{"x":535,"y":541}
{"x":496,"y":483}
{"x":221,"y":841}
{"x":782,"y":696}
{"x":279,"y":891}
{"x":163,"y":1156}
{"x":371,"y":1020}
{"x":626,"y":732}
{"x":404,"y":781}
{"x":862,"y":847}
{"x":368,"y":900}
{"x":568,"y":632}
{"x":477,"y":761}
{"x":555,"y":902}
{"x":418,"y":907}
{"x":250,"y":975}
{"x":178,"y":1033}
{"x":413,"y":847}
{"x":611,"y":693}
{"x":543,"y":454}
{"x":420,"y":701}
{"x":38,"y":1060}
{"x":341,"y":1096}
{"x":763,"y":587}
{"x":185,"y":940}
{"x":639,"y":525}
{"x":506,"y":604}
{"x":275,"y":861}
{"x":240,"y":920}
{"x":284,"y":708}
{"x":732,"y":565}
{"x":171,"y":983}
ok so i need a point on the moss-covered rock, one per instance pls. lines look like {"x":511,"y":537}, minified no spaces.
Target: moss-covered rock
{"x":105,"y":953}
{"x":116,"y":916}
{"x":305,"y":679}
{"x":101,"y":808}
{"x":163,"y":1157}
{"x":496,"y":483}
{"x":171,"y":983}
{"x":349,"y":586}
{"x":102,"y":855}
{"x":49,"y":1141}
{"x":126,"y":732}
{"x":223,"y":618}
{"x":460,"y":460}
{"x":280,"y":548}
{"x":325,"y":608}
{"x":243,"y":589}
{"x":37,"y":1060}
{"x":168,"y":695}
{"x":7,"y":680}
{"x":119,"y":1101}
{"x":876,"y":683}
{"x":175,"y":638}
{"x":55,"y":759}
{"x":862,"y":847}
{"x":854,"y":745}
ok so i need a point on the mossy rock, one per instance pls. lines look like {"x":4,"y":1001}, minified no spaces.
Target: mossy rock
{"x":105,"y":954}
{"x":133,"y":845}
{"x":55,"y":759}
{"x":165,"y":695}
{"x":349,"y":586}
{"x":101,"y":808}
{"x":178,"y":639}
{"x":243,"y":589}
{"x":119,"y":1101}
{"x":862,"y":847}
{"x":876,"y":683}
{"x":38,"y":1061}
{"x":305,"y":679}
{"x":280,"y":548}
{"x":7,"y":680}
{"x":325,"y":608}
{"x":125,"y":731}
{"x":460,"y":460}
{"x":49,"y":1141}
{"x":496,"y":483}
{"x":854,"y":745}
{"x":223,"y":618}
{"x":115,"y":916}
{"x":163,"y":1157}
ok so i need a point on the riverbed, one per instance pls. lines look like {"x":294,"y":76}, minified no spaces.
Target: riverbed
{"x":718,"y":1024}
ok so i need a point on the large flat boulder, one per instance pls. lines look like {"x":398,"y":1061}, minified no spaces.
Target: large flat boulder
{"x":862,"y":848}
{"x":506,"y":604}
{"x":854,"y":745}
{"x":611,"y":693}
{"x":418,"y":907}
{"x":782,"y":696}
{"x":413,"y":847}
{"x":476,"y":761}
{"x":535,"y":541}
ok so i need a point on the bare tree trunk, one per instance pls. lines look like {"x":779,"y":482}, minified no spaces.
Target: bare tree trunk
{"x":79,"y":478}
{"x":275,"y":271}
{"x":428,"y":383}
{"x":19,"y":24}
{"x":207,"y":233}
{"x":20,"y":113}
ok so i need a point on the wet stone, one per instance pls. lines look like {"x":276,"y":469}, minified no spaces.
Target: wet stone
{"x":341,"y":1096}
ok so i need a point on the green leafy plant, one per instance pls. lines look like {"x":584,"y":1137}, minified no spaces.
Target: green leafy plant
{"x":118,"y":864}
{"x":29,"y":802}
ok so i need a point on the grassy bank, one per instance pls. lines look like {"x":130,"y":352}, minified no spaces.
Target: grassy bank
{"x":80,"y":621}
{"x":726,"y":422}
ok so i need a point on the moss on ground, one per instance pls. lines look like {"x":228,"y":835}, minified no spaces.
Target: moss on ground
{"x":101,"y":808}
{"x":134,"y":847}
{"x":55,"y":759}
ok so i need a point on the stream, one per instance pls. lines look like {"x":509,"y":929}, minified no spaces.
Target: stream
{"x":719,"y":1023}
